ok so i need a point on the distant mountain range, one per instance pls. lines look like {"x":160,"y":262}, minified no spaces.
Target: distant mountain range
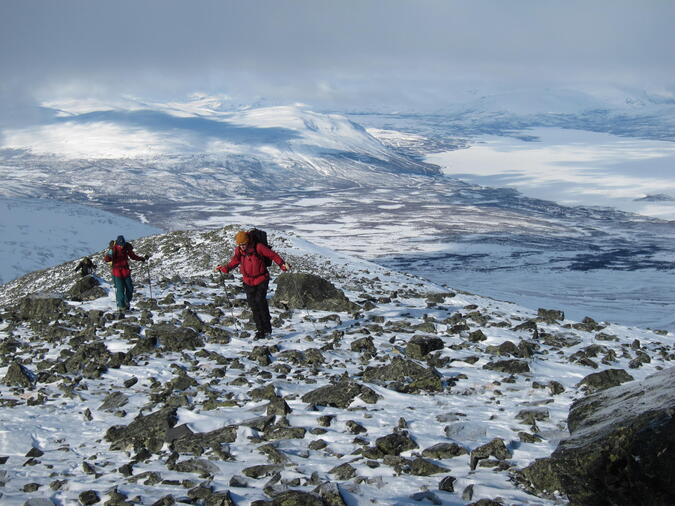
{"x":358,"y":185}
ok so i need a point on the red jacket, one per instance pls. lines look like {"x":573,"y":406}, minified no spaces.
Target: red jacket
{"x":120,"y":256}
{"x":251,"y":264}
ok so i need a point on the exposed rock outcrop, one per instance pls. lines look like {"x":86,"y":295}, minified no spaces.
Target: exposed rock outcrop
{"x":309,"y":291}
{"x":621,"y":449}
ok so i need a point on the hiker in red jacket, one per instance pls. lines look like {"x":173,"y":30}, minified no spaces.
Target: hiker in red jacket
{"x":251,"y":261}
{"x":119,"y":254}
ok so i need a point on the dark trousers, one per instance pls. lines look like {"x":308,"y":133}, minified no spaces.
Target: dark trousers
{"x":257,"y":301}
{"x":124,"y":290}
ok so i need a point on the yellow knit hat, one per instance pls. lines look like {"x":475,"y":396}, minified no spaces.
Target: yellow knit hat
{"x":241,"y":238}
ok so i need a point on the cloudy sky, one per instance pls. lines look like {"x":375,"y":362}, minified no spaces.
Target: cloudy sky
{"x":341,"y":53}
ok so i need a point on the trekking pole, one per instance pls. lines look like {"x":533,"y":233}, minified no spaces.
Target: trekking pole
{"x":149,"y":278}
{"x":229,"y":303}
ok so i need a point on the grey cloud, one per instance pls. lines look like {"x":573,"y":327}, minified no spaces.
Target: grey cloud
{"x":320,"y":48}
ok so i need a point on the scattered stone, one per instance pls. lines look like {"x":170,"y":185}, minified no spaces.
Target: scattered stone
{"x":604,"y":380}
{"x":420,"y":346}
{"x":508,"y":366}
{"x":262,"y":471}
{"x":447,"y":484}
{"x":495,"y":448}
{"x":341,"y":394}
{"x":396,"y":443}
{"x":86,"y":288}
{"x":173,"y":338}
{"x":42,"y":307}
{"x":405,"y":376}
{"x":18,"y":375}
{"x":89,"y":497}
{"x":343,"y":472}
{"x":442,"y":451}
{"x":148,"y":431}
{"x":114,"y":401}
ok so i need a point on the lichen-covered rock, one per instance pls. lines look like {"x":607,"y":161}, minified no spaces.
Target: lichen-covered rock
{"x":198,"y":443}
{"x":18,"y":375}
{"x":330,"y":493}
{"x":113,"y":401}
{"x":86,"y":288}
{"x":173,"y":338}
{"x":550,"y":315}
{"x":508,"y":366}
{"x":395,"y":443}
{"x":495,"y":448}
{"x":341,"y":394}
{"x":420,"y":346}
{"x":444,"y":451}
{"x":605,"y":379}
{"x":149,"y":431}
{"x":405,"y":376}
{"x":621,"y":449}
{"x":90,"y":359}
{"x":424,"y":467}
{"x":42,"y":307}
{"x":308,"y":291}
{"x":292,"y":498}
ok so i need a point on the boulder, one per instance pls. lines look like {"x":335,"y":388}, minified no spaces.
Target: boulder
{"x":146,"y":430}
{"x":86,"y":288}
{"x":605,"y":379}
{"x":174,"y":338}
{"x":508,"y":366}
{"x":341,"y":394}
{"x":395,"y":443}
{"x":200,"y":442}
{"x":43,"y":307}
{"x":308,"y":291}
{"x":18,"y":375}
{"x":621,"y":449}
{"x":550,"y":315}
{"x":442,"y":451}
{"x":420,"y":346}
{"x":405,"y":376}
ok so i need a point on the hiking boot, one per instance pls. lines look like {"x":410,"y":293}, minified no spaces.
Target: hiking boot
{"x":259,"y":335}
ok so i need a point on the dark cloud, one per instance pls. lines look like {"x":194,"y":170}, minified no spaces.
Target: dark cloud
{"x":315,"y":49}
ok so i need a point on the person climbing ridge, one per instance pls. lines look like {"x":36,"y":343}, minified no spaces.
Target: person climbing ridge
{"x":119,"y":254}
{"x":253,"y":255}
{"x":86,"y":266}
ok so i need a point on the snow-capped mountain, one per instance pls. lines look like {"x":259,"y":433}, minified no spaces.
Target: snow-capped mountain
{"x":418,"y":393}
{"x":363,"y":191}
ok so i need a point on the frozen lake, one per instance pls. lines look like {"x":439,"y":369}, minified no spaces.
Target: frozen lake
{"x":572,"y":167}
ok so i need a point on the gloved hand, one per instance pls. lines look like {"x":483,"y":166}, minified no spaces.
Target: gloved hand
{"x":285,"y":267}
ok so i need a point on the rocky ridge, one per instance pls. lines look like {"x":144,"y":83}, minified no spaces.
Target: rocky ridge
{"x":409,"y":392}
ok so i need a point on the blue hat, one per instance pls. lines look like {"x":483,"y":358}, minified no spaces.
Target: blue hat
{"x":120,"y":240}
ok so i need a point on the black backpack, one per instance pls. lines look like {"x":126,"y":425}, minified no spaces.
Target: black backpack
{"x":257,"y":236}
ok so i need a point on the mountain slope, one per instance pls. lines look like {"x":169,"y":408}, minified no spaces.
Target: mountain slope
{"x":248,"y":418}
{"x":38,"y":233}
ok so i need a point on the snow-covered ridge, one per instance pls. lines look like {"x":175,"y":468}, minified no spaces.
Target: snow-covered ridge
{"x":64,"y":422}
{"x":284,"y":135}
